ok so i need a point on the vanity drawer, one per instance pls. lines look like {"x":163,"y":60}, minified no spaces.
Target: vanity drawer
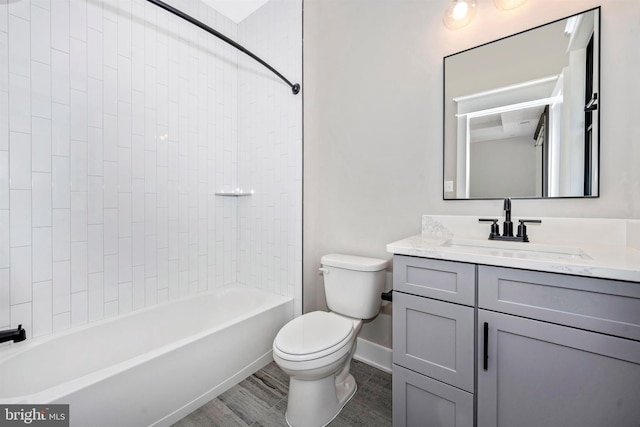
{"x":443,"y":280}
{"x":423,"y":401}
{"x":607,"y":306}
{"x":434,"y":338}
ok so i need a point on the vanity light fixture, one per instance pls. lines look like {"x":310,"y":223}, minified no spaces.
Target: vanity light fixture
{"x":459,"y":13}
{"x":508,"y":4}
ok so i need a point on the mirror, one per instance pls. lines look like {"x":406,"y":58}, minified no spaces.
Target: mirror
{"x":521,"y":114}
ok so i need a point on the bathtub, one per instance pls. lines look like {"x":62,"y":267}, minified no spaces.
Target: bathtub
{"x":150,"y":367}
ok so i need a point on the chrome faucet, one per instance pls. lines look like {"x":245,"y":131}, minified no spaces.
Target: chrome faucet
{"x":15,"y":335}
{"x":507,"y":227}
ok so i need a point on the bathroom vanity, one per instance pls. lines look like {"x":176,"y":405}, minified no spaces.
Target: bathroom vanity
{"x":486,"y":334}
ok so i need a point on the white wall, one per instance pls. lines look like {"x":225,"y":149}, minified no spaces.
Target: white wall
{"x":373,"y":122}
{"x":118,"y":123}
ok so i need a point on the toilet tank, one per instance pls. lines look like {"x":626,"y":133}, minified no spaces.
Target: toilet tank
{"x":353,"y":284}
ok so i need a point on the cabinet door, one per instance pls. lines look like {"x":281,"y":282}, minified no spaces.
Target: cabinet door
{"x":419,"y":401}
{"x":541,"y":374}
{"x":434,"y":338}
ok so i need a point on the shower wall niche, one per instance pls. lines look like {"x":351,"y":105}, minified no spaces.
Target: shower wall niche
{"x":118,"y":124}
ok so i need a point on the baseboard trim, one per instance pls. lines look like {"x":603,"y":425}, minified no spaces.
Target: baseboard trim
{"x":373,"y":354}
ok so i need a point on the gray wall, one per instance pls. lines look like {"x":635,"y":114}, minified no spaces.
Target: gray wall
{"x":503,"y":166}
{"x":373,"y":122}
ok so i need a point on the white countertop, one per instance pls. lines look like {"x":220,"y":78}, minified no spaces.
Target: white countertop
{"x":612,"y":259}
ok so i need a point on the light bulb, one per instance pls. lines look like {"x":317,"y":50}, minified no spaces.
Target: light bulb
{"x":460,"y":10}
{"x":459,"y":13}
{"x":508,"y":4}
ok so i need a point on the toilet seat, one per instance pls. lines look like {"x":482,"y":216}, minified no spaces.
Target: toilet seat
{"x":312,"y":336}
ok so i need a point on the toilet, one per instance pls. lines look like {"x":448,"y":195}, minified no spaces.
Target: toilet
{"x":315,"y":349}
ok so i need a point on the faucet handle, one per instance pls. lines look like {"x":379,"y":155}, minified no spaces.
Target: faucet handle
{"x":522,"y":228}
{"x":495,"y":228}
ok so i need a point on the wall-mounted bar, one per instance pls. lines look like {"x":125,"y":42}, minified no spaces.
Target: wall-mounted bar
{"x":295,"y":88}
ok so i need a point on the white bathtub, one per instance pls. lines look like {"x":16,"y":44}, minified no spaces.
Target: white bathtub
{"x":150,"y":367}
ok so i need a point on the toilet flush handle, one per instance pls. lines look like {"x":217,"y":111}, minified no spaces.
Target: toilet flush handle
{"x":323,"y":270}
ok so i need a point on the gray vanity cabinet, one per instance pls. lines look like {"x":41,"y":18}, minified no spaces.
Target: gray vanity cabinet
{"x":540,"y":363}
{"x":533,"y":349}
{"x":433,"y":349}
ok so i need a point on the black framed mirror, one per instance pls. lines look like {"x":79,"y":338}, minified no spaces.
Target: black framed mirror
{"x":522,"y":114}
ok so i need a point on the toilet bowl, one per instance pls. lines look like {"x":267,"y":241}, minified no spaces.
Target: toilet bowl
{"x":315,"y":349}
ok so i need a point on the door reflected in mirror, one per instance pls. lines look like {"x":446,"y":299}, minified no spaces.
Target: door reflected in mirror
{"x":521,"y":114}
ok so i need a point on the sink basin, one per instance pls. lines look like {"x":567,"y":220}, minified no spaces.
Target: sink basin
{"x":536,"y":250}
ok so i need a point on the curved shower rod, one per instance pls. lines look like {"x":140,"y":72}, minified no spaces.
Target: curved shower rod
{"x":295,"y":88}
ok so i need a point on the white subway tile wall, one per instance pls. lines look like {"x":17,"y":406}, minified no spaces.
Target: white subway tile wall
{"x":269,"y":153}
{"x":118,"y":124}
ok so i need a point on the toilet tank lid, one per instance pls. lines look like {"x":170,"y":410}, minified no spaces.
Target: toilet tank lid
{"x":353,"y":262}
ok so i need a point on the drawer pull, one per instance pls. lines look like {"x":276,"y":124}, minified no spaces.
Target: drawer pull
{"x":485,"y":361}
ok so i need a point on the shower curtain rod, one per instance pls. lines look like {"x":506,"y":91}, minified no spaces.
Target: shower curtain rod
{"x":295,"y":88}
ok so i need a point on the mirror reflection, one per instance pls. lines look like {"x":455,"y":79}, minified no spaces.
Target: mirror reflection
{"x":521,"y":114}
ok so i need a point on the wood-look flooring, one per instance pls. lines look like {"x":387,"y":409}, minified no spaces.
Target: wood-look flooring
{"x":261,"y":401}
